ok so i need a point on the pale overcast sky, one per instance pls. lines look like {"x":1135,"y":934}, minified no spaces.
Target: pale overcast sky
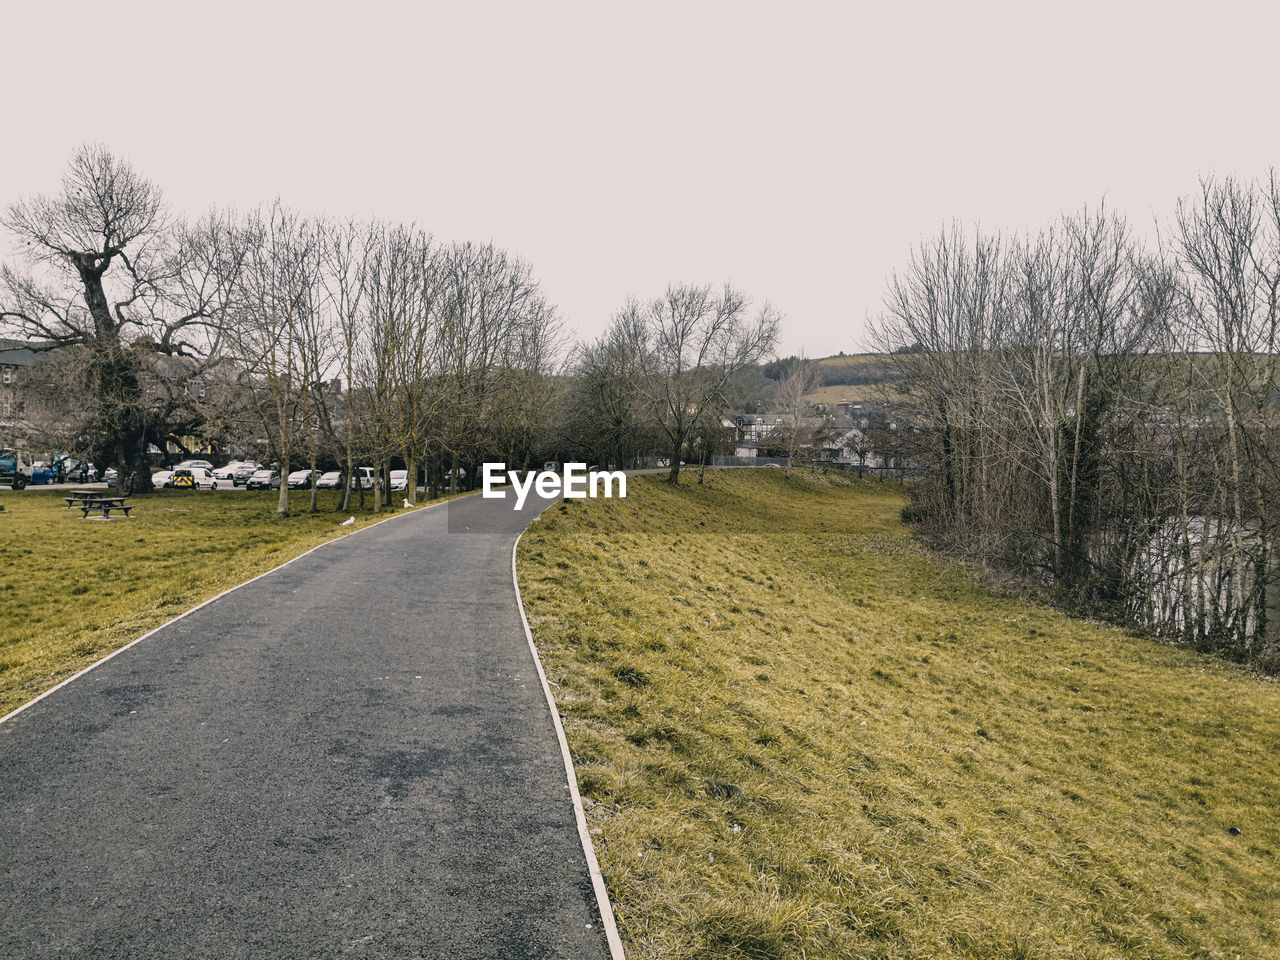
{"x":796,"y":149}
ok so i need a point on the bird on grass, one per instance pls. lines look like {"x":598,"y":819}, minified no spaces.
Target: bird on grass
{"x":350,"y":521}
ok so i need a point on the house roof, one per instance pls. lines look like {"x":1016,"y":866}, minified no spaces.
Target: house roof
{"x":19,"y":353}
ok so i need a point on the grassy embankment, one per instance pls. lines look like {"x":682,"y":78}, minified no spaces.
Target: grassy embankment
{"x":72,"y":590}
{"x":798,"y":734}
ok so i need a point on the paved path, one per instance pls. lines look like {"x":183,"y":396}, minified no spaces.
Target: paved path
{"x":352,"y":756}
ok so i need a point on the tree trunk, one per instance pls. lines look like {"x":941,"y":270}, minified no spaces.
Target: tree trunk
{"x":674,"y":476}
{"x":315,"y":491}
{"x":344,"y":501}
{"x":282,"y":502}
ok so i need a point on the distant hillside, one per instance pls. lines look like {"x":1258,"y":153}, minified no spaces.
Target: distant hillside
{"x":851,"y":359}
{"x":859,"y":376}
{"x":840,"y":392}
{"x":854,"y":377}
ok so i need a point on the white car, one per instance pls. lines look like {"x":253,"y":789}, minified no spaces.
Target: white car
{"x":228,"y":472}
{"x":399,"y":479}
{"x":161,"y":478}
{"x":203,"y":464}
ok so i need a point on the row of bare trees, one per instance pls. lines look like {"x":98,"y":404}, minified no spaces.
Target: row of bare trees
{"x":316,"y":341}
{"x":446,"y":350}
{"x":308,"y":338}
{"x":1104,"y":416}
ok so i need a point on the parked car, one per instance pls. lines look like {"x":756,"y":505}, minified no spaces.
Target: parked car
{"x":263,"y":480}
{"x":161,"y":478}
{"x":399,"y":479}
{"x":228,"y":471}
{"x":205,"y":464}
{"x":197,"y":478}
{"x":41,"y":472}
{"x":15,"y":469}
{"x":109,"y":475}
{"x":330,"y":481}
{"x":244,"y":472}
{"x":363,"y":477}
{"x":300,"y":480}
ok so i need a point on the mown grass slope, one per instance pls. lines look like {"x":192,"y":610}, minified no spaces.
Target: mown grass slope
{"x":72,"y":590}
{"x":798,"y":734}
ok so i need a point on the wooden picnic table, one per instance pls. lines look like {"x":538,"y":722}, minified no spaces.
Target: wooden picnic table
{"x":74,"y":497}
{"x":105,"y":504}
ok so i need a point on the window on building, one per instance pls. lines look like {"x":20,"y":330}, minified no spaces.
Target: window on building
{"x":8,"y":375}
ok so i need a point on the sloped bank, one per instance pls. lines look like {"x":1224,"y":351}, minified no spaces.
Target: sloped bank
{"x":799,"y":734}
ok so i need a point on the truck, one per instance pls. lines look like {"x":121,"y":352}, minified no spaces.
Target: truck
{"x":15,"y":469}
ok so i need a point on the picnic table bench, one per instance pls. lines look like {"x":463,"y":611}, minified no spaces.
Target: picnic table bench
{"x":74,"y":497}
{"x":105,"y":504}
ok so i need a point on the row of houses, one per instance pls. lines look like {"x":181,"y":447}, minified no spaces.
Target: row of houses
{"x":857,"y":433}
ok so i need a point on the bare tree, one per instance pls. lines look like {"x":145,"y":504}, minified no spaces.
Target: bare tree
{"x":404,"y":292}
{"x":792,"y":401}
{"x":344,"y":274}
{"x":499,"y":340}
{"x":108,"y":269}
{"x":277,"y":335}
{"x":690,"y":343}
{"x":1229,"y":246}
{"x":604,"y":421}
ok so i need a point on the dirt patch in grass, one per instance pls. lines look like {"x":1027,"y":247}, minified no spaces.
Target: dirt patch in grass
{"x":799,"y":734}
{"x":72,"y":590}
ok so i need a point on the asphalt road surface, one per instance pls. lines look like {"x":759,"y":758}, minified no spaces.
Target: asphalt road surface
{"x":351,"y":756}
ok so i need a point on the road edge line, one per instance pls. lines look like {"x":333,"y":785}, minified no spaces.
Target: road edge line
{"x":204,"y":603}
{"x":580,"y":814}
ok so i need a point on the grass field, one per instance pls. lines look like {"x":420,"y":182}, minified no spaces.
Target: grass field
{"x":853,"y":392}
{"x":852,"y":359}
{"x":72,"y":590}
{"x":798,"y":734}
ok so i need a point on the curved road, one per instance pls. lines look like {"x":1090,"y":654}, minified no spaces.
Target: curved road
{"x":351,"y":756}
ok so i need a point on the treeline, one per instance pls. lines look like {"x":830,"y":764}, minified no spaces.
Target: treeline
{"x":307,"y":341}
{"x":368,"y":342}
{"x":1101,"y":415}
{"x":864,"y":371}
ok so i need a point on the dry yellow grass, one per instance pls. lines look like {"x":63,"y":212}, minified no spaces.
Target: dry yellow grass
{"x":800,"y":735}
{"x":853,"y":392}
